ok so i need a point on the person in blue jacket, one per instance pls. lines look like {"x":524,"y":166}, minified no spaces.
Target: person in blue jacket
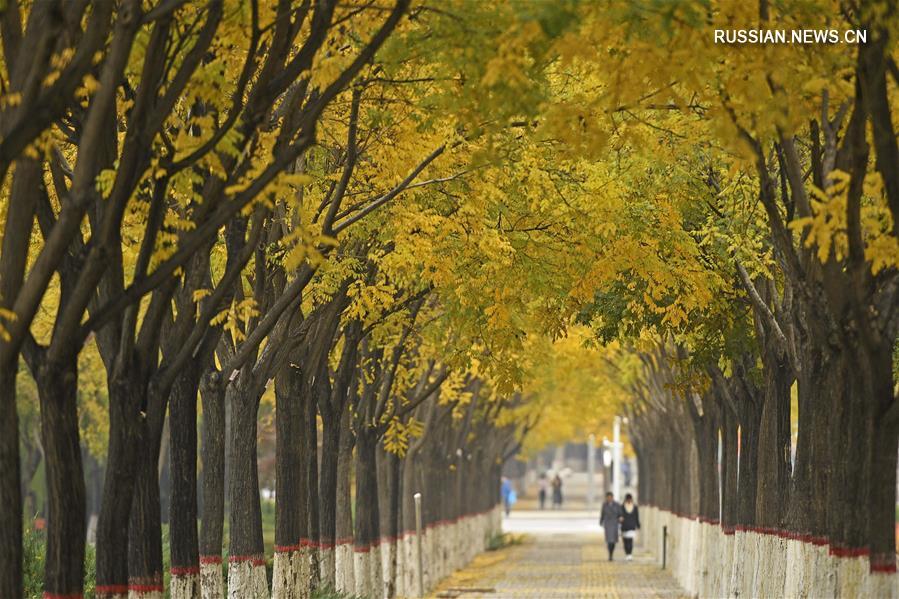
{"x":508,"y":494}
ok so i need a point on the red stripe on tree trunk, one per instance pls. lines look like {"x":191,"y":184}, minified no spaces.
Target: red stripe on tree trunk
{"x":255,"y":559}
{"x":840,"y":551}
{"x":883,"y":568}
{"x":112,"y":589}
{"x":145,"y":588}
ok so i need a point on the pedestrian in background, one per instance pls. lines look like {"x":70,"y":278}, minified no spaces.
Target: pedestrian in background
{"x":610,"y":519}
{"x":543,"y":483}
{"x":506,"y":492}
{"x":557,"y":492}
{"x":630,"y":524}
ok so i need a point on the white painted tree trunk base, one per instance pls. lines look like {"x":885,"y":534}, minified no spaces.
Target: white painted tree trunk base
{"x":739,"y":563}
{"x":343,"y":566}
{"x":796,"y":568}
{"x":852,"y":572}
{"x":772,"y":565}
{"x":328,"y":568}
{"x":247,"y":580}
{"x":446,"y":547}
{"x":751,"y":575}
{"x":260,"y":582}
{"x":882,"y":585}
{"x":822,"y":578}
{"x":749,"y":564}
{"x":362,"y":573}
{"x":185,"y":586}
{"x":289,"y":579}
{"x":212,"y":583}
{"x":376,"y":588}
{"x":389,"y":562}
{"x":408,"y":567}
{"x":727,"y":564}
{"x":312,"y":566}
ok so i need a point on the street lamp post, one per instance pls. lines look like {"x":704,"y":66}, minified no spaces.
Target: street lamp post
{"x":606,"y":465}
{"x":591,"y":470}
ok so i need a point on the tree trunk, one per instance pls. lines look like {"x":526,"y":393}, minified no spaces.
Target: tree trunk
{"x":389,"y":501}
{"x":774,"y":443}
{"x":856,"y":463}
{"x":213,"y":457}
{"x":246,"y":551}
{"x":747,"y":483}
{"x":19,"y":203}
{"x":310,"y":465}
{"x":10,"y":493}
{"x":409,"y":486}
{"x":882,"y":496}
{"x":328,"y":496}
{"x":58,"y":390}
{"x":367,"y":515}
{"x":806,"y":514}
{"x":706,"y":437}
{"x":144,"y":527}
{"x":729,"y":471}
{"x":343,"y":558}
{"x":184,"y":544}
{"x":839,"y":437}
{"x":290,"y":577}
{"x":643,"y":456}
{"x":125,"y":401}
{"x":875,"y":386}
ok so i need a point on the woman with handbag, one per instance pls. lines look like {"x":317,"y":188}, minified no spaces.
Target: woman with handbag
{"x":630,"y":524}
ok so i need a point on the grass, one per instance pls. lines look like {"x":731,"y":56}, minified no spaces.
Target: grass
{"x":34,"y":544}
{"x":503,"y":540}
{"x":326,"y":593}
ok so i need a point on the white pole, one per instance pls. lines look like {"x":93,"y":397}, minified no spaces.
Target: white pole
{"x":616,"y":459}
{"x":421,"y":569}
{"x":591,"y":470}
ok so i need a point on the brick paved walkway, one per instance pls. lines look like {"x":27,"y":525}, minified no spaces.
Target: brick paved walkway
{"x":561,"y":565}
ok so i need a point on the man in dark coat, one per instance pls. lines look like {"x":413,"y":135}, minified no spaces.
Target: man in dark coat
{"x":610,"y":518}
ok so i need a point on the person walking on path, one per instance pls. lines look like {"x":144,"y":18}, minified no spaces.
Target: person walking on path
{"x":557,"y":492}
{"x":508,"y":495}
{"x":630,"y":524}
{"x":610,"y":518}
{"x":544,"y":489}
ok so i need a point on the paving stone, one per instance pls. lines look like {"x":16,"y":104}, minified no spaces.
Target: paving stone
{"x":561,"y":566}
